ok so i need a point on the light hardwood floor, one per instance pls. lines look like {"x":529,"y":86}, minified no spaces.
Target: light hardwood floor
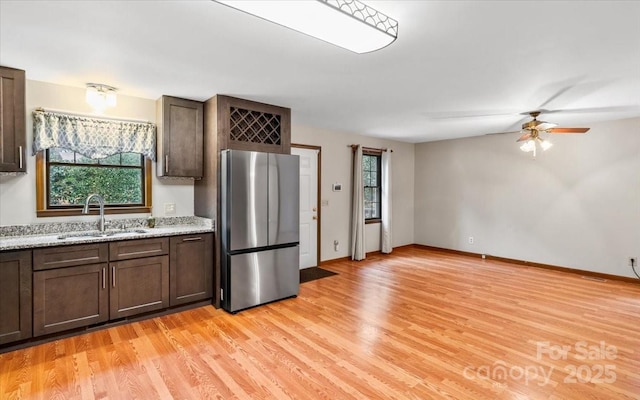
{"x":417,"y":324}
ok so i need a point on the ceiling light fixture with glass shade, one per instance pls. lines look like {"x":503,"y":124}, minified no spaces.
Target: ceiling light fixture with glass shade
{"x":533,"y":142}
{"x":100,"y":96}
{"x":349,"y":24}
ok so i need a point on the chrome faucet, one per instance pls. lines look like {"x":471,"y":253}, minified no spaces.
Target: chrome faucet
{"x":85,"y":210}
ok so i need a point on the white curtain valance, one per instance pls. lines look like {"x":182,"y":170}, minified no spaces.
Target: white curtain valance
{"x":92,"y":137}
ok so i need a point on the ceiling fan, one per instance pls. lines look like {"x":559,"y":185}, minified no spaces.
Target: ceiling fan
{"x":532,"y":129}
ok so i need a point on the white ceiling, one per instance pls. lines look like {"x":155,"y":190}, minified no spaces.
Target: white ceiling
{"x":453,"y":63}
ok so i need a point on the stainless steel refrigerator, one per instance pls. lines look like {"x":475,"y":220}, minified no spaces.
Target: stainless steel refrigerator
{"x":259,"y":228}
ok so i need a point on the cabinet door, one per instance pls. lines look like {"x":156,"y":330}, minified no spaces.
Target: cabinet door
{"x":13,"y":140}
{"x":138,"y":286}
{"x":250,"y":125}
{"x":180,"y":137}
{"x":191,"y":268}
{"x":15,"y":296}
{"x":69,"y":298}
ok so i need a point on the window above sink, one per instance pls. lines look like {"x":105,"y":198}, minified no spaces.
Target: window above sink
{"x":78,"y":155}
{"x":65,"y":178}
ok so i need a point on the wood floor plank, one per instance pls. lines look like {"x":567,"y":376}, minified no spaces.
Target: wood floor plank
{"x":417,"y":324}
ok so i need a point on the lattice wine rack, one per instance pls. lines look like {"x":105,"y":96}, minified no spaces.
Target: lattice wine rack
{"x":255,"y":126}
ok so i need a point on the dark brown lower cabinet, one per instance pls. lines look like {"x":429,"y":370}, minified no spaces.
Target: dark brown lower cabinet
{"x":67,"y":298}
{"x":55,"y":289}
{"x":15,"y":296}
{"x":138,"y":286}
{"x":191,"y":268}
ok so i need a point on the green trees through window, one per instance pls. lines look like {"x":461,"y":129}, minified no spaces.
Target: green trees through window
{"x":71,"y":177}
{"x":371,"y":169}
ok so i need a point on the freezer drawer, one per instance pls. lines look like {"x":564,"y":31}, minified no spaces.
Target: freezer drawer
{"x":260,"y":277}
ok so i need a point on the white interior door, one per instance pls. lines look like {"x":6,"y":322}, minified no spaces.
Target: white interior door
{"x":308,"y":206}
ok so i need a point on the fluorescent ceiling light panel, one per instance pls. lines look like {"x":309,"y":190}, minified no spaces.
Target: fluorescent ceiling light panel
{"x":349,"y":24}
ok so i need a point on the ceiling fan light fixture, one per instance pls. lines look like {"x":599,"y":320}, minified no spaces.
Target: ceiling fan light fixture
{"x":349,"y":24}
{"x":545,"y":144}
{"x":531,"y":145}
{"x":528,"y":146}
{"x":531,"y":130}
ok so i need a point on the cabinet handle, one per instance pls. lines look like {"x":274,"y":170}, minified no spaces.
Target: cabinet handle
{"x":20,"y":156}
{"x":166,"y":164}
{"x":104,"y":278}
{"x":192,"y":239}
{"x":113,"y":275}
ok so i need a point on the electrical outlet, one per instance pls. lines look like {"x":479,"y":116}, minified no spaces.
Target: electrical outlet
{"x":470,"y":239}
{"x":169,"y":209}
{"x":633,"y":262}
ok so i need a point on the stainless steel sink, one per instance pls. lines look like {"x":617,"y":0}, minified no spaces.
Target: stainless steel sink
{"x":98,"y":234}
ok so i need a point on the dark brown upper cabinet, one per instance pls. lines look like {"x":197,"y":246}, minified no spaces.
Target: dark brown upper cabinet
{"x":180,"y":140}
{"x":249,"y":125}
{"x":13,"y":140}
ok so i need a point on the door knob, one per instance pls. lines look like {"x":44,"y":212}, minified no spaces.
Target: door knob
{"x":315,"y":217}
{"x":315,"y":209}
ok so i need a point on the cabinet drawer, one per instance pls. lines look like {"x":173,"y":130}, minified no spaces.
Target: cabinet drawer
{"x":69,"y":256}
{"x":128,"y":249}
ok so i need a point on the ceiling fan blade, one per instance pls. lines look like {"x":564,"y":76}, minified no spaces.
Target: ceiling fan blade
{"x":558,"y":93}
{"x":501,"y":133}
{"x":472,"y":114}
{"x":593,"y":110}
{"x":568,"y":130}
{"x":524,"y":137}
{"x":545,"y":126}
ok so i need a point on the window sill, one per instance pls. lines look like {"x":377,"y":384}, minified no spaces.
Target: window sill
{"x":373,"y":221}
{"x":78,"y":211}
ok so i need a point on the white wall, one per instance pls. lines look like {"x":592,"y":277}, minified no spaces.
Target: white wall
{"x":577,"y":205}
{"x":336,"y":168}
{"x":18,"y":193}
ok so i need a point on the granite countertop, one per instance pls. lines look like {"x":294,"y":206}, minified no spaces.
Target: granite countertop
{"x":59,"y":234}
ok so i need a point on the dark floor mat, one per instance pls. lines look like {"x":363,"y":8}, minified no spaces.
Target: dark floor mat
{"x":313,"y":273}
